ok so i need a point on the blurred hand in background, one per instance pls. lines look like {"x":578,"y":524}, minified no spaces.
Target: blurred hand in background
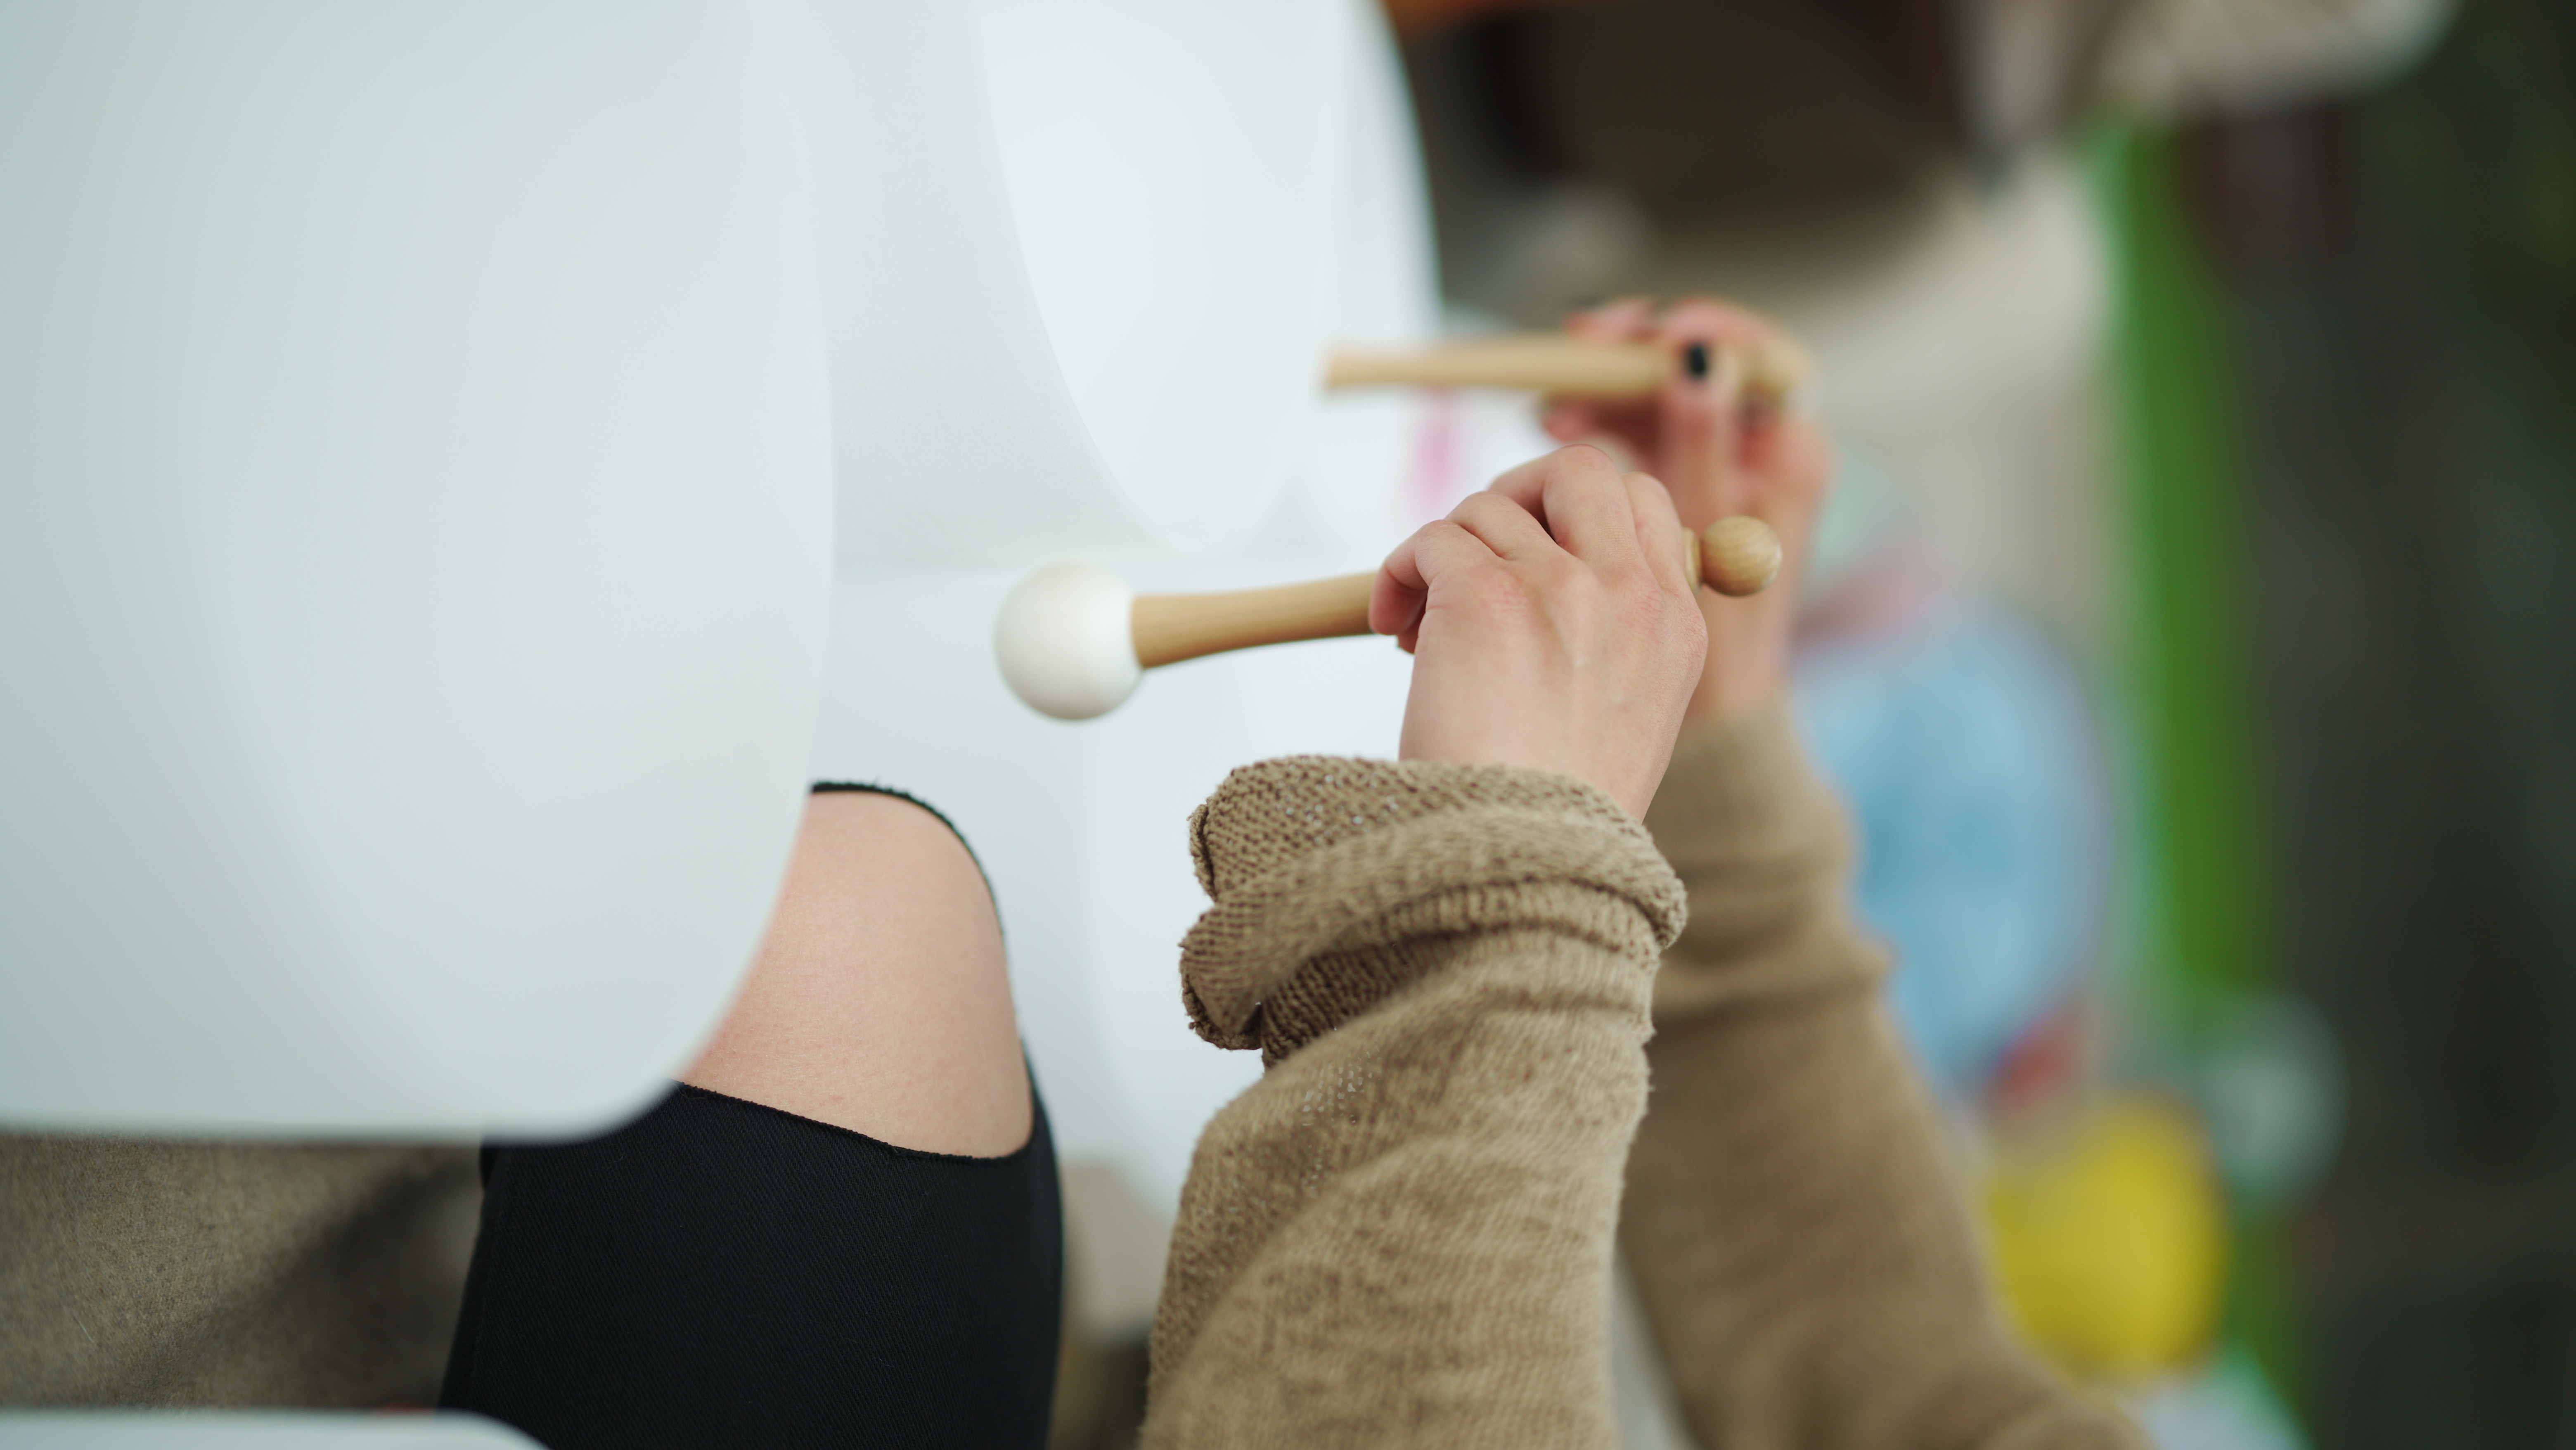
{"x":1718,"y":453}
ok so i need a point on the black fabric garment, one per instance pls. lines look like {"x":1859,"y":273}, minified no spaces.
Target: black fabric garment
{"x":719,"y":1273}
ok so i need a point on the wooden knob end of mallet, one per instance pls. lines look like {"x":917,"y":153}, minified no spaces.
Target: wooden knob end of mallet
{"x":1074,"y":641}
{"x":1737,"y":556}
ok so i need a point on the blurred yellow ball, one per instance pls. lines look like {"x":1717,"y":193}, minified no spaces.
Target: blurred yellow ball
{"x":2110,"y":1243}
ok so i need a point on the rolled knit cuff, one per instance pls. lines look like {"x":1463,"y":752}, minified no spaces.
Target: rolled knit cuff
{"x":1326,"y":873}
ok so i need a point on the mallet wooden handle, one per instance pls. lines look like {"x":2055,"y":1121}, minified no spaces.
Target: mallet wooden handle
{"x":1736,"y":556}
{"x":1169,"y":628}
{"x":1547,"y":362}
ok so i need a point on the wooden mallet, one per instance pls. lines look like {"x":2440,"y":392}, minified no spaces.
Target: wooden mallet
{"x":1073,"y":640}
{"x":1561,"y":366}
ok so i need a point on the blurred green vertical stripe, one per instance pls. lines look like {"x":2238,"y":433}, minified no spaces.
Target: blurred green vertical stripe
{"x":2206,"y":933}
{"x":2179,"y":438}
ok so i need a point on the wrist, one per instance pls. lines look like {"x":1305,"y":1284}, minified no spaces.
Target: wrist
{"x":1748,"y":657}
{"x":1724,"y":701}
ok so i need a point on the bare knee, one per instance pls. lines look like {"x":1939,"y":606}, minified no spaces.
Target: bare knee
{"x":879,"y":1001}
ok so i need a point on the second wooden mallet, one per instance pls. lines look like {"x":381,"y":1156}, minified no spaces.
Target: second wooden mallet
{"x":1560,"y":366}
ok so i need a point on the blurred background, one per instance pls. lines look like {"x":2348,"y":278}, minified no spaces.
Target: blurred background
{"x":2194,"y":631}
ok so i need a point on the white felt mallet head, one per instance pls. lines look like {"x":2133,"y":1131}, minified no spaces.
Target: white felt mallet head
{"x":1066,"y":642}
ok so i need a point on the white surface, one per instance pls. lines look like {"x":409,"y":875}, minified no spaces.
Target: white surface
{"x":1065,"y":642}
{"x":1083,"y":827}
{"x":1075,"y":258}
{"x":418,"y":432}
{"x":1172,"y":172}
{"x":1075,"y":264}
{"x":252,"y":1430}
{"x":1361,"y":487}
{"x":414,"y":520}
{"x":959,"y":442}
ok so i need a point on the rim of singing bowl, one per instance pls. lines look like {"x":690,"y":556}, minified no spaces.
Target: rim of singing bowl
{"x":1171,"y":167}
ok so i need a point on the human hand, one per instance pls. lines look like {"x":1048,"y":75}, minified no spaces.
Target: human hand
{"x":1719,"y":453}
{"x":1551,"y":626}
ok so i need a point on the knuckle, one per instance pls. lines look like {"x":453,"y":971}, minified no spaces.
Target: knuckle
{"x":1434,"y":540}
{"x":1644,"y":607}
{"x":1585,"y":461}
{"x":1651,"y":607}
{"x":1495,"y":590}
{"x":1566,"y":578}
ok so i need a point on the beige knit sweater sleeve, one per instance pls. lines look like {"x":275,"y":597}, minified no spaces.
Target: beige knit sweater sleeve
{"x":1800,"y":1247}
{"x":1402,"y":1234}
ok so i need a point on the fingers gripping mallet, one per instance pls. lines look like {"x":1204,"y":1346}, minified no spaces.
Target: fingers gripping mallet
{"x":1073,"y":640}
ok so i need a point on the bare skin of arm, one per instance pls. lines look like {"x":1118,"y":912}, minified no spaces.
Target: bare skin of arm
{"x":879,"y":1002}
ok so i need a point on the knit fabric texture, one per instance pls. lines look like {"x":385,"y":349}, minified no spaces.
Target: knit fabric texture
{"x":1798,"y":1239}
{"x":161,"y":1272}
{"x":1402,"y":1234}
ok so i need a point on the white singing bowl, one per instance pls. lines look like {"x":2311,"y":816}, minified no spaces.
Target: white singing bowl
{"x":934,"y":329}
{"x":415,"y":506}
{"x":1107,"y":225}
{"x":1066,"y":641}
{"x":1172,"y":167}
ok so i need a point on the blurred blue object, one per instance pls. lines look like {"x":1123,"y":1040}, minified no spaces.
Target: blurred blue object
{"x":1973,"y":763}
